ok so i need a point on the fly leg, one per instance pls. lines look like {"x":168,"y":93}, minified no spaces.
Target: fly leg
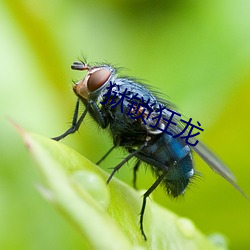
{"x":145,"y":196}
{"x":125,"y":160}
{"x":105,"y":155}
{"x":75,"y":124}
{"x":136,"y":167}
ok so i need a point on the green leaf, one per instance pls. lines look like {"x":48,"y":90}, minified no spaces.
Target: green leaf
{"x":107,"y":215}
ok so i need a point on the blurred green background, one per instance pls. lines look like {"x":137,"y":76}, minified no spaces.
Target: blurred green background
{"x":196,"y":53}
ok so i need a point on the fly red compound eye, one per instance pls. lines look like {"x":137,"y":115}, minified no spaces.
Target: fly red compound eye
{"x":97,"y":79}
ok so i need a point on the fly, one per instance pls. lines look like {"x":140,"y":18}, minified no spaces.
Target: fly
{"x":122,"y":105}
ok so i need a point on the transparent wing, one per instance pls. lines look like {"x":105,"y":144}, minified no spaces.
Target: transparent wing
{"x":206,"y":154}
{"x":210,"y":158}
{"x":217,"y":165}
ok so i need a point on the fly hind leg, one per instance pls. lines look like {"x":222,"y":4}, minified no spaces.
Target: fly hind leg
{"x":145,"y":196}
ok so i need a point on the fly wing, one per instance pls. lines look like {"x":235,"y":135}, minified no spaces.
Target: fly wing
{"x":206,"y":154}
{"x":217,"y":165}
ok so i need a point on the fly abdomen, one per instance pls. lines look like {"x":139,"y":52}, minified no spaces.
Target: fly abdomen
{"x":180,"y":166}
{"x":178,"y":176}
{"x":170,"y":156}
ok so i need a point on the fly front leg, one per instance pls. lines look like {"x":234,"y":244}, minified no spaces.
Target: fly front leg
{"x":75,"y":123}
{"x":97,"y":114}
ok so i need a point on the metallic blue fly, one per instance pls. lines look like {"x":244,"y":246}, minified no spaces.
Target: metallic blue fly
{"x":145,"y":125}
